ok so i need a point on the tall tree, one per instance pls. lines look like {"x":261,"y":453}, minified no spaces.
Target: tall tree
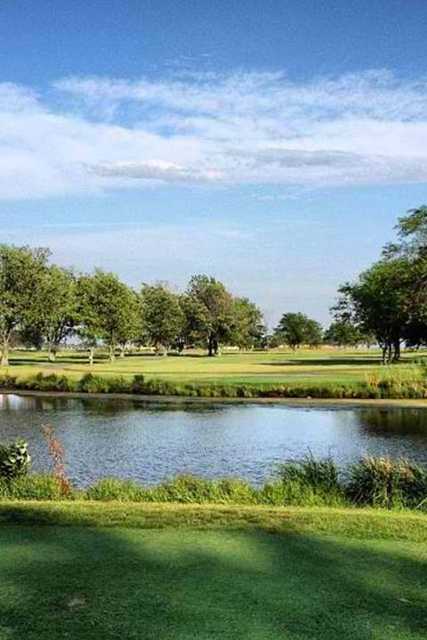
{"x":412,"y":235}
{"x":56,"y":314}
{"x":107,"y":309}
{"x":248,"y":324}
{"x":22,"y":271}
{"x":162,"y":316}
{"x":343,"y":333}
{"x":378,"y":303}
{"x":208,"y":307}
{"x":296,"y":329}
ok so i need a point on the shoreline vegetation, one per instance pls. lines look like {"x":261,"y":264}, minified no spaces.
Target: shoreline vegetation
{"x":390,"y":383}
{"x":381,"y":483}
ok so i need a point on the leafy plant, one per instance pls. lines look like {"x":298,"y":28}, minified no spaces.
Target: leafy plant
{"x":14,"y":460}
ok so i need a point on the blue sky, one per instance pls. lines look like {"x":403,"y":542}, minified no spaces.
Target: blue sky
{"x":271,"y":144}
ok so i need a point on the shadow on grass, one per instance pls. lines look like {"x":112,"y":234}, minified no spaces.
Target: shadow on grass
{"x":326,"y":362}
{"x":89,"y":583}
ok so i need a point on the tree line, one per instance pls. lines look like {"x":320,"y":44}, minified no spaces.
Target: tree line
{"x":44,"y":305}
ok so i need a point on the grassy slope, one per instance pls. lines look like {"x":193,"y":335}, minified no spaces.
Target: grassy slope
{"x":305,"y":366}
{"x":211,"y":572}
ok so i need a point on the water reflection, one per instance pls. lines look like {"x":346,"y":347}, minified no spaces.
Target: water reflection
{"x":394,"y":421}
{"x":149,"y":442}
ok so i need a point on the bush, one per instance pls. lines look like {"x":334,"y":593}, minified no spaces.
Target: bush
{"x":7,"y":381}
{"x":93,"y":384}
{"x":138,"y":384}
{"x":50,"y":382}
{"x":14,"y":460}
{"x":382,"y":482}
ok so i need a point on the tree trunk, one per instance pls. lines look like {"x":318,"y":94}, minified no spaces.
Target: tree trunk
{"x":122,"y":351}
{"x":112,"y":352}
{"x":396,"y":356}
{"x":384,"y":354}
{"x":211,"y":346}
{"x":51,"y":354}
{"x":4,"y":362}
{"x":91,"y":355}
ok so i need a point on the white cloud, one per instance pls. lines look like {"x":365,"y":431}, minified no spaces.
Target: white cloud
{"x":91,"y":135}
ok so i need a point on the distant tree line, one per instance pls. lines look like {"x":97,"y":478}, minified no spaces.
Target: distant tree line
{"x":44,"y":305}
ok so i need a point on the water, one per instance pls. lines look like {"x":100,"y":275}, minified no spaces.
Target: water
{"x":151,"y":442}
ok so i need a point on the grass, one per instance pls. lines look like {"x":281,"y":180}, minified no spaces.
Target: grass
{"x":376,"y":482}
{"x":101,"y":571}
{"x":322,"y":374}
{"x":325,"y":365}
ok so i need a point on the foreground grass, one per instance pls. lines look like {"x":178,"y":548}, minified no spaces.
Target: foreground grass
{"x":185,"y":572}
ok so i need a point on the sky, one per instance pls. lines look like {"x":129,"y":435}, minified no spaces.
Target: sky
{"x":270,"y":144}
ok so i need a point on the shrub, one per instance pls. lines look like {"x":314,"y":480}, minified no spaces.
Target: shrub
{"x":93,"y":384}
{"x":138,"y":384}
{"x":14,"y":460}
{"x":118,"y":384}
{"x":7,"y":381}
{"x":382,"y":482}
{"x":50,"y":382}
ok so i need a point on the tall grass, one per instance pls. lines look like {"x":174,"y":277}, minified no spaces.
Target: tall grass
{"x":387,"y":483}
{"x":373,"y":482}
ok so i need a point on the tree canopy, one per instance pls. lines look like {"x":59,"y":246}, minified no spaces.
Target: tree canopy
{"x":22,"y":273}
{"x":162,"y":318}
{"x":296,"y":329}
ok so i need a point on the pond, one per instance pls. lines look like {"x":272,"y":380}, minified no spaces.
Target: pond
{"x":149,"y":442}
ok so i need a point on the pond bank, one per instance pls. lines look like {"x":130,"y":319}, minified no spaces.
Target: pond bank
{"x":182,"y":400}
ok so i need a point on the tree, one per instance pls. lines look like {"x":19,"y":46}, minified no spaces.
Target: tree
{"x":343,"y":333}
{"x":162,"y":316}
{"x":389,"y":300}
{"x":412,"y":247}
{"x":378,"y":303}
{"x":248,"y":324}
{"x":296,"y":329}
{"x":57,"y":310}
{"x":22,"y":270}
{"x":412,"y":235}
{"x":107,"y":310}
{"x":208,"y":308}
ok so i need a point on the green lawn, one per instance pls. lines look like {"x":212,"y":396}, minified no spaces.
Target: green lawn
{"x":276,"y":367}
{"x":210,"y":573}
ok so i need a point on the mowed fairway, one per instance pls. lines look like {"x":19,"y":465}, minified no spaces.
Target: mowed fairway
{"x":186,"y":584}
{"x":255,"y":367}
